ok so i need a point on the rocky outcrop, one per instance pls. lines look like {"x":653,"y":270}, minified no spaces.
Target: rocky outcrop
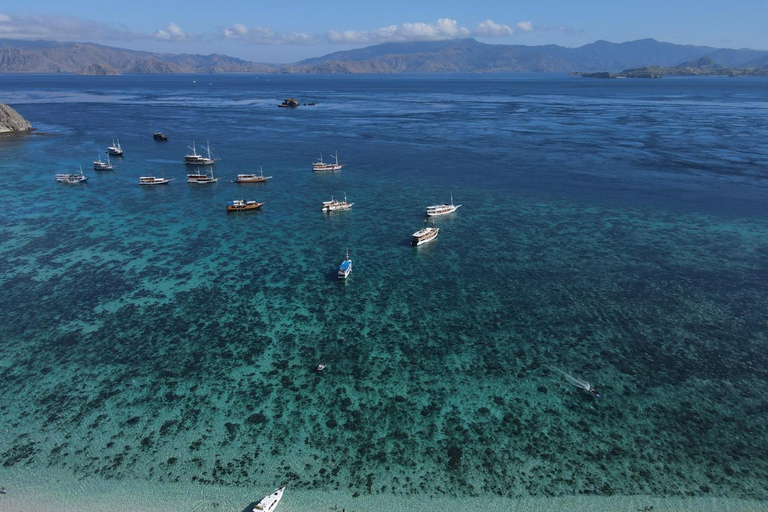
{"x":11,"y":121}
{"x":98,"y":69}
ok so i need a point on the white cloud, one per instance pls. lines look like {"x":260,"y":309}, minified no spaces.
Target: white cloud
{"x":444,"y":28}
{"x":263,"y":35}
{"x":525,"y":26}
{"x":172,"y":33}
{"x":61,"y":28}
{"x":489,"y":28}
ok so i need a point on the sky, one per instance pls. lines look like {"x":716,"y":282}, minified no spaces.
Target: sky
{"x":288,"y":31}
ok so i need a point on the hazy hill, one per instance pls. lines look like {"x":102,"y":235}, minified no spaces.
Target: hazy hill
{"x":53,"y":57}
{"x":460,"y":55}
{"x":471,"y":55}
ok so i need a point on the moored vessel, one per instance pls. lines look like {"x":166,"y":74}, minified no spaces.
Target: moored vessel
{"x":346,"y":267}
{"x":269,"y":503}
{"x":115,"y":149}
{"x":152,"y":180}
{"x":442,"y":209}
{"x":202,"y":178}
{"x":71,"y":179}
{"x":99,"y":165}
{"x":424,"y":235}
{"x":240,"y":205}
{"x":253,"y":178}
{"x":334,"y":205}
{"x":322,"y":166}
{"x":195,"y":159}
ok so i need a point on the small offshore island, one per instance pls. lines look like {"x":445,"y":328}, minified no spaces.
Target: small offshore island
{"x":12,"y":121}
{"x":704,"y":66}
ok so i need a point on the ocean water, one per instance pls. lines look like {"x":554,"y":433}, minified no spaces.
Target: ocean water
{"x":613,"y":230}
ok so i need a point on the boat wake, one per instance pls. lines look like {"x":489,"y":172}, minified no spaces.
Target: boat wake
{"x":579,"y":383}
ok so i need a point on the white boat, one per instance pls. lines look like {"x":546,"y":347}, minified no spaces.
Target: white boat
{"x":115,"y":149}
{"x":99,"y":165}
{"x":202,"y":179}
{"x":253,"y":178}
{"x":334,"y":205}
{"x":195,"y":159}
{"x":427,"y":234}
{"x":72,"y":179}
{"x":269,"y":503}
{"x":151,"y":180}
{"x":322,"y":166}
{"x":321,"y":367}
{"x":442,"y":209}
{"x":346,"y":267}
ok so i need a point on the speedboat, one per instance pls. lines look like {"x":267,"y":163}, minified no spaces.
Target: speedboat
{"x":442,"y":209}
{"x":71,"y":179}
{"x":269,"y":503}
{"x":427,"y":234}
{"x":98,"y":165}
{"x":151,"y":180}
{"x":115,"y":149}
{"x":322,"y":166}
{"x":334,"y":205}
{"x":321,"y":367}
{"x":239,"y":205}
{"x":346,"y":267}
{"x":195,"y":159}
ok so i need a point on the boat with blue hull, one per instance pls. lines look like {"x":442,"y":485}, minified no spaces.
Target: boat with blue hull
{"x":346,"y":267}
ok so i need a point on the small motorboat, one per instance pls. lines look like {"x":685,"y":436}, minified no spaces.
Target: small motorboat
{"x":321,"y":367}
{"x":160,"y":136}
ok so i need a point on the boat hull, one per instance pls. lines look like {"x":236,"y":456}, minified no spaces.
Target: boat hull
{"x":244,"y":208}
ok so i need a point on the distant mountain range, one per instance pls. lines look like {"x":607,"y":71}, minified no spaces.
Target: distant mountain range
{"x":460,"y":55}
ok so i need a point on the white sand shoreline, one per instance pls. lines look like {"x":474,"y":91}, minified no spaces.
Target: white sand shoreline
{"x":29,"y":491}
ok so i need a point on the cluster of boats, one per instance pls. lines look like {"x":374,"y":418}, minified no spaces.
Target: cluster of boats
{"x":429,"y":233}
{"x":206,"y":159}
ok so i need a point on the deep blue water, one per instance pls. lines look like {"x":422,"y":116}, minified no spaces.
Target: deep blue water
{"x":615,"y":230}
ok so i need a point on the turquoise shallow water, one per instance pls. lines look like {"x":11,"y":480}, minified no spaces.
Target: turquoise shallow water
{"x":615,"y":231}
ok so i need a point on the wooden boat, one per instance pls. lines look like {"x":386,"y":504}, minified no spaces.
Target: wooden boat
{"x":334,"y":205}
{"x":442,"y":209}
{"x":241,"y":205}
{"x":115,"y":149}
{"x":151,"y":180}
{"x":427,"y":234}
{"x":322,"y":166}
{"x":99,"y":165}
{"x":195,"y":159}
{"x":72,"y":179}
{"x":253,"y":178}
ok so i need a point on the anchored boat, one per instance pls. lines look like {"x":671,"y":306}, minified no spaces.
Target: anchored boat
{"x":269,"y":503}
{"x":115,"y":149}
{"x":71,"y":179}
{"x":99,"y":165}
{"x":427,"y":234}
{"x":240,"y":205}
{"x":346,"y":267}
{"x":195,"y":159}
{"x":442,"y":209}
{"x":334,"y":205}
{"x":322,"y":166}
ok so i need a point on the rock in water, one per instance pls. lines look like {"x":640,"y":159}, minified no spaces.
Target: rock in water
{"x":11,"y":121}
